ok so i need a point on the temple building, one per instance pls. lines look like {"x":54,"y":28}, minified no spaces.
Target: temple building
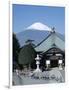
{"x":52,"y":48}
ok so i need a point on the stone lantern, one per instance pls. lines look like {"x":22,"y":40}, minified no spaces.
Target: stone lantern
{"x":37,"y":63}
{"x":47,"y":64}
{"x":60,"y":62}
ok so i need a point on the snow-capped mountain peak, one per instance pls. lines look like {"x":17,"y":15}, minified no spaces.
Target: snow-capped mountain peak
{"x":39,"y":26}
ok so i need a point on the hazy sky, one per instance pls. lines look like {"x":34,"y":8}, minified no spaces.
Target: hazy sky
{"x":25,"y":15}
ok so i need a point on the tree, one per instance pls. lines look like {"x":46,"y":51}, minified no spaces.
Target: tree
{"x":27,"y":55}
{"x":16,"y":48}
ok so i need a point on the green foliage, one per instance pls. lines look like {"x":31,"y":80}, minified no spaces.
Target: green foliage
{"x":16,"y":48}
{"x":27,"y":55}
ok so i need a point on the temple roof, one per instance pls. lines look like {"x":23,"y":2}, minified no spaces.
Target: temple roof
{"x":53,"y":38}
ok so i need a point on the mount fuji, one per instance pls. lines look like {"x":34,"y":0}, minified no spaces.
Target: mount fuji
{"x":39,"y":26}
{"x":37,"y":32}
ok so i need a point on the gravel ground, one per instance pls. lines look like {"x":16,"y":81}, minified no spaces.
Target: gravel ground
{"x":26,"y":80}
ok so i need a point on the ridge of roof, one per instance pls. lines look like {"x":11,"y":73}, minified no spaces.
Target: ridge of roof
{"x":43,"y":40}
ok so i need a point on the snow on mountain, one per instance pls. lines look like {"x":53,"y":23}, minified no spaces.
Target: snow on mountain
{"x":39,"y":26}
